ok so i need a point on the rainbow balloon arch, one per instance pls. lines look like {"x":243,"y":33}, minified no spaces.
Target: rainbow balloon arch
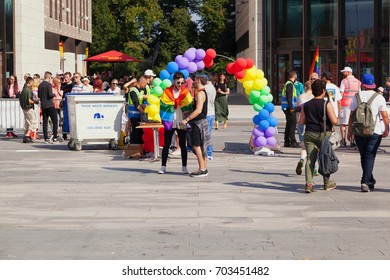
{"x":252,"y":79}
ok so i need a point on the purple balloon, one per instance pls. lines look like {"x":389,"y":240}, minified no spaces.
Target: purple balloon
{"x":270,"y":131}
{"x":271,"y":141}
{"x":192,"y":67}
{"x":200,"y":54}
{"x":182,"y":62}
{"x":177,"y":58}
{"x":192,"y":49}
{"x":190,"y":55}
{"x":260,"y":141}
{"x":257,"y":132}
{"x":200,"y":65}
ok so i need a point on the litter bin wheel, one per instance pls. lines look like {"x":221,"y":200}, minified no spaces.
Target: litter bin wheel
{"x":71,"y":144}
{"x":113,"y":144}
{"x":78,"y":146}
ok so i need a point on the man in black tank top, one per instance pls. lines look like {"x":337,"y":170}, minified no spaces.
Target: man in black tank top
{"x":198,"y":127}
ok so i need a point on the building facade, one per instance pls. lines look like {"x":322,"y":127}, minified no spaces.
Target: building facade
{"x":36,"y":36}
{"x":282,"y":35}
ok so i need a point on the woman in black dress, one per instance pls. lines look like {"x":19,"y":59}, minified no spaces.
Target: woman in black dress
{"x":221,"y":106}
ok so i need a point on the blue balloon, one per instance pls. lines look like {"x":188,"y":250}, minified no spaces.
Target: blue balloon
{"x":269,"y":107}
{"x":264,"y":114}
{"x":185,"y":73}
{"x":172,"y":67}
{"x":272,"y":121}
{"x":171,"y":77}
{"x":256,"y":120}
{"x":264,"y":124}
{"x":164,"y":74}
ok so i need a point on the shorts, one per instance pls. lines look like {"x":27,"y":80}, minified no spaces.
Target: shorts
{"x":30,"y":123}
{"x":345,"y":112}
{"x":195,"y":136}
{"x":301,"y":131}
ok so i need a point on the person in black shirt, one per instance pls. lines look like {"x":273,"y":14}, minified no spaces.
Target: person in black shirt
{"x":135,"y":102}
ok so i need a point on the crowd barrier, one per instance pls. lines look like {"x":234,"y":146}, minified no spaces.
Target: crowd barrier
{"x":11,"y":115}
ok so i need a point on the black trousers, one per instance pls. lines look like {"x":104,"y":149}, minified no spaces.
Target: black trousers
{"x":291,"y":125}
{"x":182,"y":143}
{"x":52,"y":113}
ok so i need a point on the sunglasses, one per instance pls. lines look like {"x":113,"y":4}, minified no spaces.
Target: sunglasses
{"x":114,"y":83}
{"x":179,"y":83}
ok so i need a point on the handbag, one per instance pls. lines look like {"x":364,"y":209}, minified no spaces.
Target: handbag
{"x":328,"y":162}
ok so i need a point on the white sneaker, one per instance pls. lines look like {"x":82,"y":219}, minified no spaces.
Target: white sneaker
{"x":163,"y":170}
{"x":209,"y":158}
{"x":184,"y":170}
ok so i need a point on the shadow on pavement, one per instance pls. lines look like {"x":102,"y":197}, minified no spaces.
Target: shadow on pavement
{"x":295,"y":188}
{"x":263,"y":173}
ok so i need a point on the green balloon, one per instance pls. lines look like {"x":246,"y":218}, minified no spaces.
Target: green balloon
{"x":263,"y":99}
{"x":257,"y":107}
{"x":270,"y":97}
{"x":254,"y":94}
{"x":166,"y":83}
{"x":157,"y":91}
{"x":252,"y":100}
{"x":265,"y":90}
{"x":156,"y":82}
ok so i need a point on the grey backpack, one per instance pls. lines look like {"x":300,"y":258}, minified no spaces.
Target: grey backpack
{"x":363,"y":124}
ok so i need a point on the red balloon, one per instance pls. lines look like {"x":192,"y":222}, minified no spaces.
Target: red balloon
{"x":240,"y":75}
{"x":241,"y":62}
{"x":211,"y":53}
{"x":249,"y":63}
{"x":230,"y":68}
{"x":208,"y":64}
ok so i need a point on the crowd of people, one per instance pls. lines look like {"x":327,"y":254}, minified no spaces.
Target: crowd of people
{"x":196,"y":103}
{"x":340,"y":104}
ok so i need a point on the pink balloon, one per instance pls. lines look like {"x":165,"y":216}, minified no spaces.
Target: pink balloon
{"x":192,"y":67}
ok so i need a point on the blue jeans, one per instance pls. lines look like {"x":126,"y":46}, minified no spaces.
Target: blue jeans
{"x":210,"y":120}
{"x":368,"y":146}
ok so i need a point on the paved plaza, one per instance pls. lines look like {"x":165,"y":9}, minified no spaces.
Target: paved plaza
{"x":93,"y":204}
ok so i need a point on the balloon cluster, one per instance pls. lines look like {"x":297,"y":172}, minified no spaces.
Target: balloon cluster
{"x":153,"y":108}
{"x":255,"y":86}
{"x":148,"y":139}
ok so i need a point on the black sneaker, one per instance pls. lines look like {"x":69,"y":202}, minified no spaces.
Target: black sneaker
{"x":298,"y":170}
{"x":371,"y":185}
{"x":343,"y":143}
{"x":26,"y":139}
{"x":199,"y":173}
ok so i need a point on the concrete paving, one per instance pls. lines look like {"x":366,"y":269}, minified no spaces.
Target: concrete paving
{"x":93,"y":204}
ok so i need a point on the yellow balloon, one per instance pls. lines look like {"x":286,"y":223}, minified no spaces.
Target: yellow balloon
{"x":259,"y":84}
{"x":248,"y":84}
{"x":153,"y":109}
{"x":265,"y":81}
{"x":259,"y":74}
{"x":157,"y":117}
{"x":251,"y":73}
{"x":153,"y":99}
{"x":248,"y":91}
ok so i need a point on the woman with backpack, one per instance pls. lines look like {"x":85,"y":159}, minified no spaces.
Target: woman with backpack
{"x":312,"y":115}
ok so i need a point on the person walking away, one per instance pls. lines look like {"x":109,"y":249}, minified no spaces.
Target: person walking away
{"x":332,"y":92}
{"x":211,"y":94}
{"x":11,"y":90}
{"x":199,"y":137}
{"x":221,"y":105}
{"x":289,"y":104}
{"x":349,"y":86}
{"x":46,"y":95}
{"x":135,"y":108}
{"x":386,"y":91}
{"x":299,"y":87}
{"x":312,"y":116}
{"x":368,"y":146}
{"x":27,"y":102}
{"x":175,"y":105}
{"x":302,"y":99}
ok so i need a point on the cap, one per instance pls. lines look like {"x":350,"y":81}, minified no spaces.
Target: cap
{"x":59,"y":72}
{"x":368,"y":81}
{"x":346,"y":69}
{"x":149,"y":73}
{"x":85,"y":79}
{"x":380,"y":89}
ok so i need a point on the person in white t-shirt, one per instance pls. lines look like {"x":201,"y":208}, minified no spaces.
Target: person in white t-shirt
{"x":368,"y":146}
{"x":211,"y":94}
{"x":333,"y":92}
{"x":114,"y":87}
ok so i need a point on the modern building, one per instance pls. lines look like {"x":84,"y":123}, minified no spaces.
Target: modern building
{"x":36,"y":36}
{"x":282,"y":35}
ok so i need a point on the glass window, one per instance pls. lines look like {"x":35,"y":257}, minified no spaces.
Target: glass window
{"x":9,"y":26}
{"x":385,"y":30}
{"x":359,"y":17}
{"x":323,"y":18}
{"x":289,"y":18}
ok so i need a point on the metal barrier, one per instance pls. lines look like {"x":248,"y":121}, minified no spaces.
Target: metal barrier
{"x":11,"y":114}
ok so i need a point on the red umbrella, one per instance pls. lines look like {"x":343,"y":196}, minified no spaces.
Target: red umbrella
{"x":112,"y":56}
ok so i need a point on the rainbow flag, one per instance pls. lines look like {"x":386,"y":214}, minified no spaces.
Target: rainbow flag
{"x":314,"y":64}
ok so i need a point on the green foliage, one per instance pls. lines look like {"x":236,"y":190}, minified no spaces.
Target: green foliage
{"x":144,"y":28}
